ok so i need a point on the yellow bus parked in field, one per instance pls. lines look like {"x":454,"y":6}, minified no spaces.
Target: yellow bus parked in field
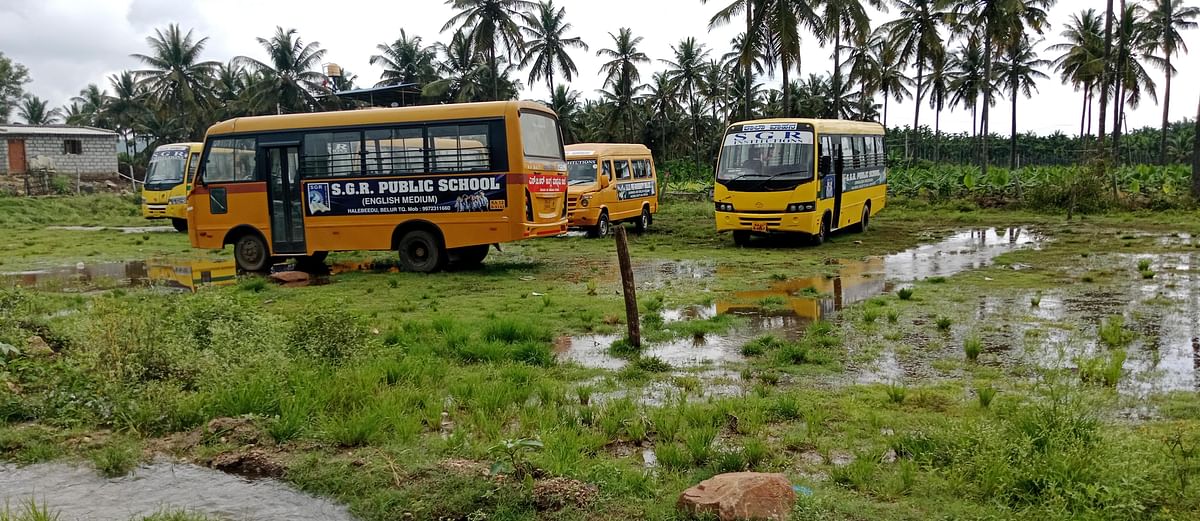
{"x":807,"y":176}
{"x":610,"y":183}
{"x":437,"y":183}
{"x":168,"y":180}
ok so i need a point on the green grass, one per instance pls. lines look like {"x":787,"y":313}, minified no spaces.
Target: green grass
{"x":370,"y":384}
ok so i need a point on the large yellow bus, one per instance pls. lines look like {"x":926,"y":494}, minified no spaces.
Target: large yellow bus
{"x":168,"y":180}
{"x":610,"y":183}
{"x":806,"y":176}
{"x":438,"y":183}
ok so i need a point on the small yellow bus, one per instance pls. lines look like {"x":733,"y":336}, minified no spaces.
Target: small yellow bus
{"x":168,"y":180}
{"x":806,"y":176}
{"x":439,"y":184}
{"x":610,"y":183}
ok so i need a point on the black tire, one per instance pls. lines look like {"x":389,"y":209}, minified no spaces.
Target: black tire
{"x":741,"y":237}
{"x":251,"y":254}
{"x":313,"y":262}
{"x":602,"y":227}
{"x":469,"y":256}
{"x":179,"y":224}
{"x":421,"y":252}
{"x":643,"y":222}
{"x":823,"y":234}
{"x":865,"y":222}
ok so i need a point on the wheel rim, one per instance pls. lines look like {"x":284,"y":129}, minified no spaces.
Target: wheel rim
{"x":604,"y":226}
{"x":419,"y":252}
{"x":645,"y":219}
{"x":251,"y":253}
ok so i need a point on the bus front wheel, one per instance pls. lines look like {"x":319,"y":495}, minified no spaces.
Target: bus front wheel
{"x":601,"y":227}
{"x":823,"y":234}
{"x":179,"y":224}
{"x":643,"y":222}
{"x":421,"y":252}
{"x":251,"y":253}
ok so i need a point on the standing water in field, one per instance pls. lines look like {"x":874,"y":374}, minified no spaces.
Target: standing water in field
{"x":787,"y":306}
{"x":79,"y":493}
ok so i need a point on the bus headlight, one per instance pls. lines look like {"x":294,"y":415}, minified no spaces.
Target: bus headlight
{"x":724,"y":207}
{"x":177,"y":200}
{"x":585,"y":201}
{"x":801,"y":207}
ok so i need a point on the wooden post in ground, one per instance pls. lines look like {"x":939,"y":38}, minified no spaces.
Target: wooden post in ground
{"x":629,"y":288}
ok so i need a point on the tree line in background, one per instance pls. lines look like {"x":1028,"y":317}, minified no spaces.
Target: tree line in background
{"x":934,"y":52}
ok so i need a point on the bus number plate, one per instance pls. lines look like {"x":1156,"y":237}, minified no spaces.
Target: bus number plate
{"x":549,"y":205}
{"x":759,"y":227}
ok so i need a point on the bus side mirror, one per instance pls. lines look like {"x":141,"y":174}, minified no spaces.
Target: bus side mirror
{"x":825,"y":166}
{"x":603,"y":181}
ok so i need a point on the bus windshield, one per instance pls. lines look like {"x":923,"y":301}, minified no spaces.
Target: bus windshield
{"x":166,"y":169}
{"x":581,"y":172}
{"x":775,"y":155}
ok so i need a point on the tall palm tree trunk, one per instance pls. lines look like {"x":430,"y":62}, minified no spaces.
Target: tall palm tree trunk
{"x":1162,"y":146}
{"x":1119,"y":84}
{"x":885,"y":108}
{"x":1104,"y":76}
{"x":917,"y":111}
{"x":837,"y":75}
{"x":748,"y":56}
{"x":787,"y":91}
{"x":1083,"y":114}
{"x":987,"y":98}
{"x":1012,"y":154}
{"x":495,"y":72}
{"x":937,"y":132}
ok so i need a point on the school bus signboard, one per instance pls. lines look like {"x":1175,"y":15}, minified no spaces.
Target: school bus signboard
{"x":398,"y":196}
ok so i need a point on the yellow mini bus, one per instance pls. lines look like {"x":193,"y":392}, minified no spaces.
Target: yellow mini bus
{"x":437,"y":183}
{"x":610,"y":183}
{"x":168,"y":180}
{"x":807,"y":176}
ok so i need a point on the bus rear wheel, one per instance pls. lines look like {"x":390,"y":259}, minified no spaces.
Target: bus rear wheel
{"x":251,"y":254}
{"x":469,"y":256}
{"x":421,"y":252}
{"x":865,"y":222}
{"x":179,"y":224}
{"x":643,"y":222}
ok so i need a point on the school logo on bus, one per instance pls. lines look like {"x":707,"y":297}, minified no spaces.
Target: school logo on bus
{"x":318,"y":198}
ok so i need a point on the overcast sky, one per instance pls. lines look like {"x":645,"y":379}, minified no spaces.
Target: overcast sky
{"x":67,"y":44}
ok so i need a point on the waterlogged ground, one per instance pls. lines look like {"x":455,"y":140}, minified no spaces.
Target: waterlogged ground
{"x":934,"y":367}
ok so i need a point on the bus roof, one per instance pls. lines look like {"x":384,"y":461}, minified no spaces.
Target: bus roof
{"x":189,"y":146}
{"x":825,"y":125}
{"x":606,"y":149}
{"x":372,"y":116}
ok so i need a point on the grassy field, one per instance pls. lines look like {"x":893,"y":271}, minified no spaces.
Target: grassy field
{"x":442,"y":395}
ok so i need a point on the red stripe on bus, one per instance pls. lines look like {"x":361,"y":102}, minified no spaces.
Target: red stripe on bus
{"x":234,"y":188}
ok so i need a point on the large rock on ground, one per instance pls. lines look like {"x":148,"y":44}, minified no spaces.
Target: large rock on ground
{"x":740,"y":496}
{"x":289,"y":278}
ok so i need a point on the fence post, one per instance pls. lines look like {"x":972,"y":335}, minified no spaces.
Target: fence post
{"x":78,"y":182}
{"x":629,"y":288}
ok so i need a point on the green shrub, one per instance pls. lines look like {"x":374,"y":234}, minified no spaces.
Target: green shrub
{"x":1113,"y":333}
{"x":972,"y":347}
{"x":943,"y":323}
{"x":905,"y":293}
{"x":327,"y":334}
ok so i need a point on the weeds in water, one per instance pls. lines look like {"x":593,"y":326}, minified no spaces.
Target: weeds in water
{"x":592,"y":286}
{"x":761,"y":345}
{"x":985,"y":394}
{"x":623,"y":348}
{"x":896,"y":393}
{"x":893,"y":316}
{"x":870,"y":315}
{"x":905,"y":293}
{"x":943,"y":323}
{"x":116,"y":459}
{"x":584,"y":394}
{"x":1143,"y":265}
{"x":1147,"y":274}
{"x":972,"y":346}
{"x":29,"y":511}
{"x":651,"y":364}
{"x":1104,"y":369}
{"x":1035,"y":301}
{"x":1113,"y":333}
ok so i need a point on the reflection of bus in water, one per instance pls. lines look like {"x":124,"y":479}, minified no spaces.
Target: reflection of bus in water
{"x":816,"y":297}
{"x":191,"y":274}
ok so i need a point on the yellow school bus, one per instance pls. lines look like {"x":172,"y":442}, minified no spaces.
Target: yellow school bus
{"x":168,"y":180}
{"x":807,"y":176}
{"x":610,"y":183}
{"x":437,"y":183}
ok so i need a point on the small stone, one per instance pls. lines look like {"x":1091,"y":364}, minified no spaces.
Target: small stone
{"x":37,"y":346}
{"x":740,"y":496}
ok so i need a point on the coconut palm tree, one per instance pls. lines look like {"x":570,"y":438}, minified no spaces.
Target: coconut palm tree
{"x":662,"y":101}
{"x":967,"y":80}
{"x":621,"y":69}
{"x":1196,"y":155}
{"x":492,"y":27}
{"x":126,"y":106}
{"x":864,"y":68}
{"x":918,"y":34}
{"x":565,"y":103}
{"x":405,"y":60}
{"x":686,"y":72}
{"x":838,"y":19}
{"x":92,"y":105}
{"x":546,"y":50}
{"x":1166,"y":19}
{"x":1082,"y":60}
{"x":74,"y":114}
{"x":34,"y":111}
{"x":290,"y":82}
{"x":175,"y":76}
{"x":1106,"y":79}
{"x":1020,"y":71}
{"x":1135,"y":47}
{"x":892,"y":82}
{"x":461,"y":70}
{"x":782,"y":21}
{"x":939,"y":89}
{"x":751,"y":40}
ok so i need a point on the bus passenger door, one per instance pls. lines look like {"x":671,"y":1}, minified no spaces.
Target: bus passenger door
{"x":287,"y":208}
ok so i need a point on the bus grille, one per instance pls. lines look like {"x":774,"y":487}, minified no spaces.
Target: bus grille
{"x":572,"y":203}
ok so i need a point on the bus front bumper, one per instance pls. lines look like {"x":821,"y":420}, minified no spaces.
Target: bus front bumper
{"x":799,"y":222}
{"x":545,"y":229}
{"x":154,"y":211}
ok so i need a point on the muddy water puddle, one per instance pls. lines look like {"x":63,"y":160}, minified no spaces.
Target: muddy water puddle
{"x":77,"y":493}
{"x":786,"y":307}
{"x":122,"y":229}
{"x":163,"y":273}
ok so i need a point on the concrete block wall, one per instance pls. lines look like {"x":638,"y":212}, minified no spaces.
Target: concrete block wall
{"x":99,"y":153}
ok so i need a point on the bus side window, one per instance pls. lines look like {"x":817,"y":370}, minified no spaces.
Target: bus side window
{"x":879,"y":149}
{"x":621,"y":166}
{"x":193,"y":165}
{"x":872,"y":157}
{"x":395,"y":151}
{"x":639,"y":169}
{"x":460,"y":148}
{"x":848,"y":151}
{"x":860,"y":152}
{"x":606,"y":169}
{"x":332,"y":154}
